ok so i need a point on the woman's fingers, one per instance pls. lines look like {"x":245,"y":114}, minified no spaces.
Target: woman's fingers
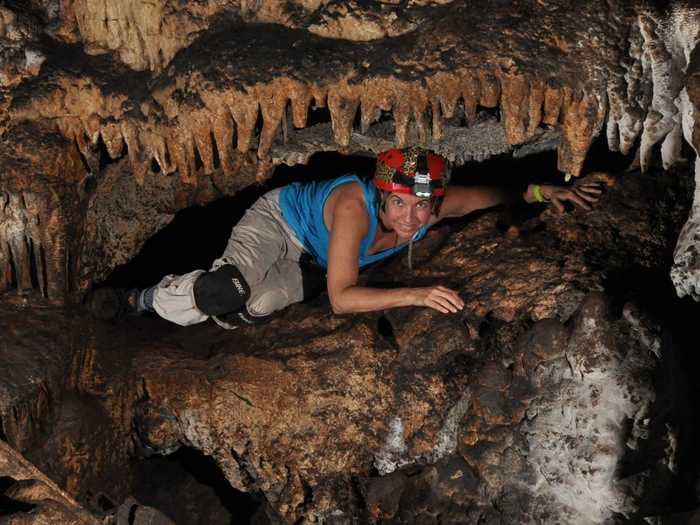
{"x":558,"y":205}
{"x":577,"y":200}
{"x":590,"y":197}
{"x":590,"y":188}
{"x":445,"y":300}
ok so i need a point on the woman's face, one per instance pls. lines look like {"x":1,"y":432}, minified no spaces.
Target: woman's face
{"x":405,"y":214}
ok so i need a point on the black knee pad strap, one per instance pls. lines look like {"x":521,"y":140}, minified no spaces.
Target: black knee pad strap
{"x":221,"y":291}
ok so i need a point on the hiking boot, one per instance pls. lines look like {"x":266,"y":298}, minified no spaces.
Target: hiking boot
{"x":112,"y":303}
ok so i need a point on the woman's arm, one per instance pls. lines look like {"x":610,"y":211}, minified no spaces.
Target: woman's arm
{"x":462,"y":200}
{"x":348,"y":227}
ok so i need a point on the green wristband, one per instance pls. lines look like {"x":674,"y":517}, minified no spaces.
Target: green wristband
{"x":537,"y":192}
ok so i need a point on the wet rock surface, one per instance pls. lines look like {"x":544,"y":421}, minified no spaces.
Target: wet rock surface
{"x":520,"y":409}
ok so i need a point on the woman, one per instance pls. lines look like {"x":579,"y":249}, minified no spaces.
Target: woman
{"x":343,"y":224}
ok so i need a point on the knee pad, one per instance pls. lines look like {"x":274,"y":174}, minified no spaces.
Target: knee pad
{"x":222,"y":291}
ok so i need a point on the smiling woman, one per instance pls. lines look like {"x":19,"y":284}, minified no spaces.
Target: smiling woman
{"x":342,"y":224}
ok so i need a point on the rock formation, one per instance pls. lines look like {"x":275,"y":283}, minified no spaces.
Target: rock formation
{"x":523,"y":409}
{"x":115,"y":115}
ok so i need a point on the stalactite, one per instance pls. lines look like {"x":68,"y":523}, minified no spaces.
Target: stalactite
{"x":5,"y":266}
{"x":20,"y":255}
{"x":535,"y":103}
{"x":54,"y":241}
{"x":140,"y":166}
{"x":490,"y":89}
{"x":635,"y":98}
{"x":92,"y":128}
{"x":112,"y":138}
{"x":471,"y":93}
{"x":273,"y":101}
{"x":553,"y":98}
{"x":34,"y":206}
{"x":39,"y":262}
{"x":158,"y":150}
{"x":223,"y":135}
{"x":583,"y":119}
{"x":244,"y":109}
{"x":5,"y":255}
{"x":199,"y":124}
{"x":514,"y":107}
{"x":343,"y":103}
{"x":437,"y":129}
{"x":187,"y":138}
{"x":402,"y":119}
{"x":300,"y":97}
{"x":420,"y":103}
{"x":672,"y":146}
{"x":662,"y":117}
{"x":178,"y":152}
{"x":375,"y":97}
{"x":612,"y":130}
{"x":369,"y":113}
{"x":446,"y":88}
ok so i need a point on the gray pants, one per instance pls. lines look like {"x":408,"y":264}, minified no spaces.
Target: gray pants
{"x":267,"y":253}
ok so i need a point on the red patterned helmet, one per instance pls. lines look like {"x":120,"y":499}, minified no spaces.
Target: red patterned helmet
{"x":412,"y":170}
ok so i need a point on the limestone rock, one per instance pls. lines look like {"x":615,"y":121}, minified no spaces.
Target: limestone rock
{"x":531,"y":398}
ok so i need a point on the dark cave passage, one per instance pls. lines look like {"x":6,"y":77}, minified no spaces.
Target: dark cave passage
{"x":197,"y":235}
{"x":190,"y":489}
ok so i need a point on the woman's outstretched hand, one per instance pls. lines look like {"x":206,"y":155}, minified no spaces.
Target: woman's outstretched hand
{"x":438,"y":298}
{"x":582,"y":195}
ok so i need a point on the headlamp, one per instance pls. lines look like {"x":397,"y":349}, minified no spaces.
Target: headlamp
{"x":421,"y":185}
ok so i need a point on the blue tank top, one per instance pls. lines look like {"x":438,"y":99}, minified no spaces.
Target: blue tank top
{"x":302,"y":207}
